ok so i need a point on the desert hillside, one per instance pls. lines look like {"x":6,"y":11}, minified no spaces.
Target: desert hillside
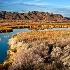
{"x":33,"y":16}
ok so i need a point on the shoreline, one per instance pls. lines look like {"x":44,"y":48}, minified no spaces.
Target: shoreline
{"x":20,"y":43}
{"x":9,"y":27}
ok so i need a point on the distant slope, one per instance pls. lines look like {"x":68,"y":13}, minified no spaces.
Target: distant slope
{"x":34,"y":16}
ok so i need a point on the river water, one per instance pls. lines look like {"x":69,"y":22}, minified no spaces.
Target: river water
{"x":4,"y":37}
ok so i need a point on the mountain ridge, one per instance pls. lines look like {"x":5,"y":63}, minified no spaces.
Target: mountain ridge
{"x":34,"y":16}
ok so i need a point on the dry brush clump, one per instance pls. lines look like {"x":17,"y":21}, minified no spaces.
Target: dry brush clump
{"x":41,"y":51}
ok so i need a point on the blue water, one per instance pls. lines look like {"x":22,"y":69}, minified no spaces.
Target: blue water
{"x":4,"y":37}
{"x":56,"y":29}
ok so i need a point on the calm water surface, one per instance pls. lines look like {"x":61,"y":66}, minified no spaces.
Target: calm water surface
{"x":4,"y":37}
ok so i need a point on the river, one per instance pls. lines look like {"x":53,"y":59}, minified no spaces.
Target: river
{"x":4,"y":37}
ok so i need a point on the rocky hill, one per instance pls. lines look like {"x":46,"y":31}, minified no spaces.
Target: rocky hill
{"x":34,"y":16}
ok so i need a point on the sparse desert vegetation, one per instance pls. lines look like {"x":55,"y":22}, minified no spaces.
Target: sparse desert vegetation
{"x":46,"y":50}
{"x":9,"y":27}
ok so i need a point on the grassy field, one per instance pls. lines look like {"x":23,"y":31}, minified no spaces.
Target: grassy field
{"x":10,"y":26}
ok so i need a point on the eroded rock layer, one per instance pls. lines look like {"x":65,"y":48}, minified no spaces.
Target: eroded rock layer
{"x":33,"y":16}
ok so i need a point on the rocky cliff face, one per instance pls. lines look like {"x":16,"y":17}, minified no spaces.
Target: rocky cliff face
{"x":34,"y":16}
{"x":48,"y":50}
